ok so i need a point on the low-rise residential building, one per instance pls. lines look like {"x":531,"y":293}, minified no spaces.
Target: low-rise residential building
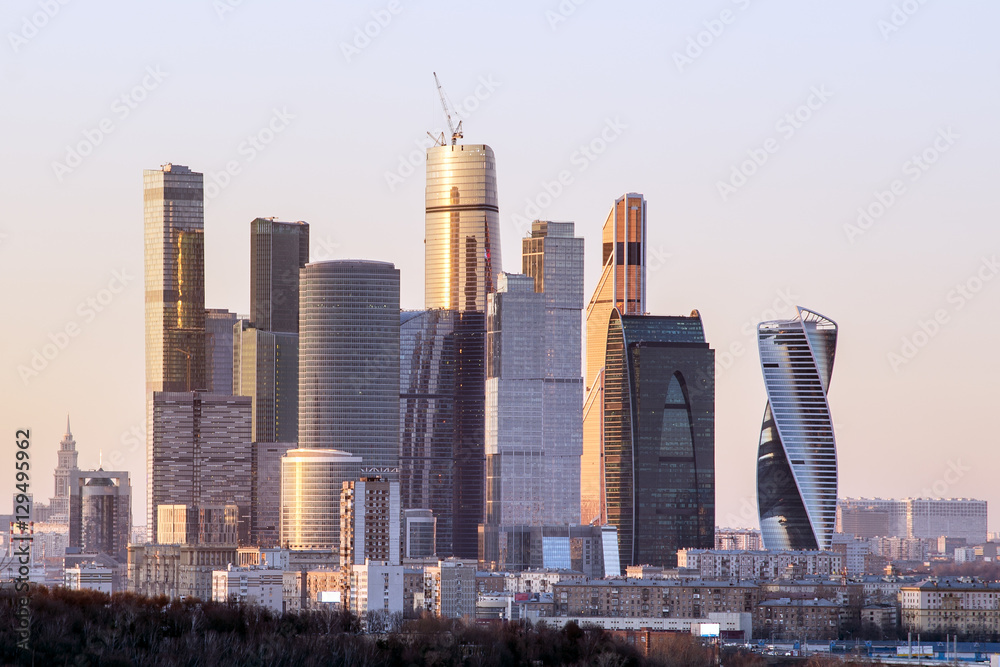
{"x":376,"y":586}
{"x":89,"y":576}
{"x":785,"y":618}
{"x":541,"y":581}
{"x":176,"y":570}
{"x":961,"y":605}
{"x":721,"y":564}
{"x":653,"y":598}
{"x":885,"y":617}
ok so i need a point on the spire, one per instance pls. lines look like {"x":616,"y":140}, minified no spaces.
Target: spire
{"x":68,"y":432}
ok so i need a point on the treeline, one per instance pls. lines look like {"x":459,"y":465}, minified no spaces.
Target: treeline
{"x":87,"y":628}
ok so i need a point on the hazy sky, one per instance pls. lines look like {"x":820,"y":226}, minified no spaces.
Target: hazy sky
{"x":756,"y":130}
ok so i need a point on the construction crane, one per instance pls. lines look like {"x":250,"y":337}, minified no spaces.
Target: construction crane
{"x":456,"y":132}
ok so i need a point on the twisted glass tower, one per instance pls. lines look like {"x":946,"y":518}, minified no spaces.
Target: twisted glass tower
{"x":797,"y":455}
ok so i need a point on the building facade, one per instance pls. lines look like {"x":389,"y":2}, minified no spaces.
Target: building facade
{"x":951,"y":605}
{"x":219,"y":324}
{"x":622,"y":285}
{"x":759,"y":565}
{"x":349,"y":361}
{"x":659,"y":436}
{"x":797,"y":453}
{"x":278,"y":250}
{"x":311,"y":481}
{"x":369,"y":522}
{"x":198,"y":453}
{"x":173,"y":210}
{"x":100,"y":511}
{"x":65,"y":466}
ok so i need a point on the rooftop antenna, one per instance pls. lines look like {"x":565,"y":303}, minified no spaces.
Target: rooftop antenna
{"x":456,"y":132}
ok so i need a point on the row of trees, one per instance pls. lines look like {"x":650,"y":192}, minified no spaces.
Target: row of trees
{"x":87,"y":628}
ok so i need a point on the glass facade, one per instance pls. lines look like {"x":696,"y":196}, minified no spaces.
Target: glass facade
{"x":797,"y":454}
{"x":266,"y":368}
{"x":198,"y":453}
{"x":173,"y":210}
{"x":622,"y":285}
{"x":311,"y":482}
{"x":659,"y":436}
{"x":100,"y":512}
{"x":426,"y":420}
{"x":462,"y":227}
{"x":277,"y":251}
{"x":265,"y":504}
{"x":462,"y":261}
{"x":219,"y":324}
{"x":349,"y":360}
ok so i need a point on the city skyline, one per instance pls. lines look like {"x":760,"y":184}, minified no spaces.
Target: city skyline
{"x":927,"y":254}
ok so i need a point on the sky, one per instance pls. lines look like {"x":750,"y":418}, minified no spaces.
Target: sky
{"x":839,"y":156}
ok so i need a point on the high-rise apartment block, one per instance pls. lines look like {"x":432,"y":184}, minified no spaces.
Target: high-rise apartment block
{"x":198,"y":453}
{"x":914,"y":518}
{"x":797,"y":454}
{"x":369,"y":521}
{"x":659,"y":436}
{"x":173,"y":209}
{"x":622,"y":285}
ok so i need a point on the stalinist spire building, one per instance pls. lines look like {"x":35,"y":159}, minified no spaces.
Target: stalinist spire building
{"x":59,"y":504}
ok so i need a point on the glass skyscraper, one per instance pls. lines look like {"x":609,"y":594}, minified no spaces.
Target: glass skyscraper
{"x":462,"y":264}
{"x":622,"y":285}
{"x":173,"y":209}
{"x":349,"y":360}
{"x":277,"y":251}
{"x":426,"y":417}
{"x":797,"y":453}
{"x":311,"y":481}
{"x":219,"y":324}
{"x":659,"y":436}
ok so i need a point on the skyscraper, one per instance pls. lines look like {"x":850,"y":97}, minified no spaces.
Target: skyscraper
{"x":173,"y":208}
{"x":311,"y":481}
{"x":266,"y":368}
{"x":100,"y":512}
{"x":277,"y":251}
{"x":349,"y":361}
{"x":65,"y":466}
{"x":369,"y":522}
{"x":198,"y":453}
{"x":659,"y":436}
{"x":622,"y":285}
{"x":797,"y":454}
{"x":426,"y":419}
{"x":219,"y":324}
{"x":462,"y":264}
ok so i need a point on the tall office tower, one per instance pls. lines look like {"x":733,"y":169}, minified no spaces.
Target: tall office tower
{"x":553,"y":256}
{"x":369,"y":521}
{"x":266,"y":368}
{"x":462,"y":264}
{"x":277,"y":251}
{"x":173,"y":208}
{"x":100,"y":512}
{"x":65,"y":466}
{"x":623,"y":286}
{"x":419,"y":537}
{"x":219,"y":324}
{"x":426,"y":419}
{"x":349,"y":361}
{"x":265,"y":501}
{"x":311,"y":481}
{"x":797,"y":455}
{"x":198,"y":453}
{"x":659,"y":436}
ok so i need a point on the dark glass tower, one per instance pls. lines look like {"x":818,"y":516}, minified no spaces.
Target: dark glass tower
{"x":277,"y":251}
{"x":427,"y":414}
{"x":797,"y":452}
{"x":659,"y":436}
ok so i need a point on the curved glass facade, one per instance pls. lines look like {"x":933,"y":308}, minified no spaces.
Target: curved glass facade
{"x":349,"y":360}
{"x":797,"y":454}
{"x":462,"y":227}
{"x":659,"y":436}
{"x":311,"y":481}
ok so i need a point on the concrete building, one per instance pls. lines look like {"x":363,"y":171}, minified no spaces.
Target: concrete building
{"x":785,"y":618}
{"x":738,"y":539}
{"x":65,"y":466}
{"x":376,"y":586}
{"x":263,"y":587}
{"x":759,"y":565}
{"x":369,"y":522}
{"x":914,"y":518}
{"x":176,"y":570}
{"x":653,"y":598}
{"x":90,"y":577}
{"x":951,"y":605}
{"x":450,"y":588}
{"x":100,"y":512}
